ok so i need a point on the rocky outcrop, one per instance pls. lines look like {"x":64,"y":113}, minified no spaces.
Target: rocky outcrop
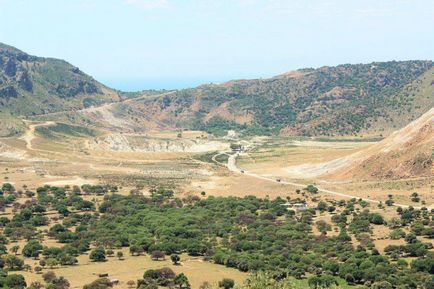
{"x":122,"y":143}
{"x":8,"y":92}
{"x":24,"y":82}
{"x":82,"y":87}
{"x":10,"y":67}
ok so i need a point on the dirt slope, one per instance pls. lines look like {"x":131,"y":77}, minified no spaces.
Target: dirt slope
{"x":408,"y":152}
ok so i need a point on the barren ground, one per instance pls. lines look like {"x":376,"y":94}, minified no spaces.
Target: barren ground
{"x":36,"y":159}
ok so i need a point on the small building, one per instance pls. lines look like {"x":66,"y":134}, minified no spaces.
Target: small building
{"x":298,"y":207}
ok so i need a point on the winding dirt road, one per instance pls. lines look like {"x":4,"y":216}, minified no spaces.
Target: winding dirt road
{"x":29,"y":135}
{"x":231,"y":165}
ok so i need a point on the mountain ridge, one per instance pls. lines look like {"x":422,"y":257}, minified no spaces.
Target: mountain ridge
{"x":326,"y":101}
{"x":348,"y":99}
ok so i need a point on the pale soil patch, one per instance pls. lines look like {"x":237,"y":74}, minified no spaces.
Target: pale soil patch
{"x":381,"y":244}
{"x":18,"y":155}
{"x":307,"y":159}
{"x":292,"y":74}
{"x":74,"y":181}
{"x":311,"y":170}
{"x":132,"y":268}
{"x":106,"y":115}
{"x":125,"y":143}
{"x":297,"y":159}
{"x":11,"y":152}
{"x":240,"y":186}
{"x":400,"y":155}
{"x":171,"y":134}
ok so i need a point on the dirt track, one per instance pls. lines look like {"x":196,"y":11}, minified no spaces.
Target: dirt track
{"x":231,"y":165}
{"x":29,"y":135}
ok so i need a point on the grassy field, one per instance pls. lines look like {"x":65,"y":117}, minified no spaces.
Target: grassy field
{"x":132,"y":268}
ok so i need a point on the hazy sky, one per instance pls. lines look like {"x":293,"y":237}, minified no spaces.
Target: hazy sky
{"x":139,"y":44}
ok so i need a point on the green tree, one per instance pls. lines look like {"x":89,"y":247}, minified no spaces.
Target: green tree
{"x":175,"y":259}
{"x":312,"y":189}
{"x":322,"y":206}
{"x":227,"y":283}
{"x":14,"y":249}
{"x":135,"y":250}
{"x":376,"y":219}
{"x":97,"y":255}
{"x":49,"y":276}
{"x":32,"y":249}
{"x":157,"y":255}
{"x":181,"y":281}
{"x":320,"y":282}
{"x":15,"y":281}
{"x":14,"y":263}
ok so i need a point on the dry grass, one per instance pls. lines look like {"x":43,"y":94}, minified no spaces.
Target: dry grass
{"x":132,"y":268}
{"x":273,"y":157}
{"x":70,"y":161}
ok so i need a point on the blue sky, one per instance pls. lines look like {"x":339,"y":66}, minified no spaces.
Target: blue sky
{"x":141,"y":44}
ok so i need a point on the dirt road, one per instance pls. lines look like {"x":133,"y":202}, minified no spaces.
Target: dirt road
{"x":29,"y":135}
{"x":105,"y":106}
{"x":231,"y":165}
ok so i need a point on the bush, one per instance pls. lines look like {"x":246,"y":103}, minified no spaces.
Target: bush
{"x":97,"y":255}
{"x":102,"y":283}
{"x":227,"y":283}
{"x":320,"y":282}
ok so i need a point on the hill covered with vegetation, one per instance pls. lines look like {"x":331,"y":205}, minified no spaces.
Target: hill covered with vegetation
{"x":31,"y":85}
{"x":342,"y":100}
{"x":359,"y":99}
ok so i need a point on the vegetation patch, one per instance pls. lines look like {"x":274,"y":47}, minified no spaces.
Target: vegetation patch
{"x":60,"y":130}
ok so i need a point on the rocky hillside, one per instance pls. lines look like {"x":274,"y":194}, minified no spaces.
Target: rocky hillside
{"x":408,"y":152}
{"x":32,"y":85}
{"x":343,"y":100}
{"x":128,"y":143}
{"x":362,"y":99}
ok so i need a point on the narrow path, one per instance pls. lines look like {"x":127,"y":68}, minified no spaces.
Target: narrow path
{"x":214,"y":157}
{"x":29,"y":135}
{"x":105,"y":105}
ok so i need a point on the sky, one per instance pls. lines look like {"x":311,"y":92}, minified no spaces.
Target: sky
{"x":153,"y":44}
